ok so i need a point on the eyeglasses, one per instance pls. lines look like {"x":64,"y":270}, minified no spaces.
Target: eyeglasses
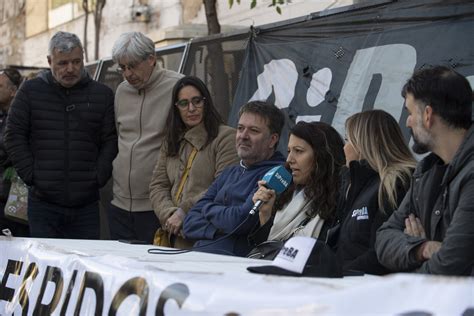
{"x":12,"y":75}
{"x":196,"y":101}
{"x":132,"y":66}
{"x":122,"y":68}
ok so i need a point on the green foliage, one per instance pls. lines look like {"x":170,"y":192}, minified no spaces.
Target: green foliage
{"x":277,"y":3}
{"x":253,"y":4}
{"x":231,"y":3}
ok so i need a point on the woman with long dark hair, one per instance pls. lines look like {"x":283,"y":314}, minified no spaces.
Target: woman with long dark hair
{"x":197,"y":148}
{"x":308,"y":207}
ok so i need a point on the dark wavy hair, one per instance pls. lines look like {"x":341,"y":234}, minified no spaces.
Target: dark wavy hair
{"x":446,"y":91}
{"x":323,"y":186}
{"x":13,"y":75}
{"x":176,"y":127}
{"x":273,"y":116}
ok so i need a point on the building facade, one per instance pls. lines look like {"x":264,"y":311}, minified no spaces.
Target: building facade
{"x":27,"y":25}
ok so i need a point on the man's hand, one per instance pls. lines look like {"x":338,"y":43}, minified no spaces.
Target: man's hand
{"x":413,"y":227}
{"x":175,"y":222}
{"x":426,"y":250}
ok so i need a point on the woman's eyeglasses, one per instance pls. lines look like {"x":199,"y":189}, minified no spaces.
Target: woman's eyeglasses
{"x":196,"y":101}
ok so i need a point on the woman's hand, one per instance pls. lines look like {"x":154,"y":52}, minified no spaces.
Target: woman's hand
{"x":267,"y":196}
{"x":175,"y":222}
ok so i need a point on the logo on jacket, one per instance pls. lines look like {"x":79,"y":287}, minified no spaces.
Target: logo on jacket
{"x":361,"y":213}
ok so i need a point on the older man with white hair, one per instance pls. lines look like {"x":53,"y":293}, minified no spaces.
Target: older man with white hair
{"x":142,"y":103}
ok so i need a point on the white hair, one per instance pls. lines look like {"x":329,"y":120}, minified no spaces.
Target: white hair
{"x":132,"y":46}
{"x":64,"y":42}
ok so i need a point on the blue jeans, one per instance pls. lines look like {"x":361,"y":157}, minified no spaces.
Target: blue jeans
{"x":48,"y":220}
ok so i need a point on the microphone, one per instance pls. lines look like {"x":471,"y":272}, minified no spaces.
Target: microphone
{"x":278,"y":179}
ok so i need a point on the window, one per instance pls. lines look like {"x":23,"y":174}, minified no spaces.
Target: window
{"x":36,"y":17}
{"x":62,"y":11}
{"x":57,"y":3}
{"x":42,"y":15}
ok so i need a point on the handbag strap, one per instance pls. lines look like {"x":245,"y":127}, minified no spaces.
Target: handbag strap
{"x":185,"y":175}
{"x":303,"y":223}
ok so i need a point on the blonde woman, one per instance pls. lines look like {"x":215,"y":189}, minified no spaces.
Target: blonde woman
{"x":379,"y":169}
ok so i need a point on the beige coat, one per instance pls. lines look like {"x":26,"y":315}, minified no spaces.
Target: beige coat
{"x":141,"y":126}
{"x":209,"y":162}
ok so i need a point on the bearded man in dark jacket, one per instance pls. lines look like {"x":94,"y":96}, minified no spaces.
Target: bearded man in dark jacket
{"x":433,"y":229}
{"x":61,"y":139}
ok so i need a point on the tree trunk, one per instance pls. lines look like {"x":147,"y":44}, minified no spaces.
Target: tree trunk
{"x":99,"y":6}
{"x":85,"y":7}
{"x":213,"y":26}
{"x":218,"y":79}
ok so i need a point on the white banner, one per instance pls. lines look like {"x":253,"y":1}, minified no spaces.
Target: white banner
{"x":73,"y":277}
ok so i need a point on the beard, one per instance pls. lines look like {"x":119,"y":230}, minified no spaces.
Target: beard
{"x":418,"y":146}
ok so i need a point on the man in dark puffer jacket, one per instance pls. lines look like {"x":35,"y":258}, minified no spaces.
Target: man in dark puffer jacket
{"x":61,"y":138}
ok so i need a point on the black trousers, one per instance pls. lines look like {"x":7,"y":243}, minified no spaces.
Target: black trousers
{"x":48,"y":220}
{"x":128,"y":225}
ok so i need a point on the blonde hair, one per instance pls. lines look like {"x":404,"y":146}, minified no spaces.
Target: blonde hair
{"x":377,"y":137}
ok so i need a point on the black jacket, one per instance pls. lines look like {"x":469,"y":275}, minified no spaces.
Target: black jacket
{"x":62,"y":140}
{"x":5,"y":162}
{"x":363,"y":216}
{"x":450,"y":218}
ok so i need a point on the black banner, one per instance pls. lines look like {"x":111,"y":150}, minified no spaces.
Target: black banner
{"x":353,"y":59}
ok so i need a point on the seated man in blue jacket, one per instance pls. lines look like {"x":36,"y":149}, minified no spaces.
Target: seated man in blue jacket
{"x":228,"y":200}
